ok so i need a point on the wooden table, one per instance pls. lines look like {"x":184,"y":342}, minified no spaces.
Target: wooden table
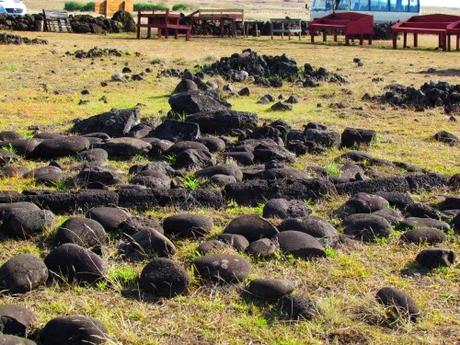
{"x":286,"y":26}
{"x":164,"y":22}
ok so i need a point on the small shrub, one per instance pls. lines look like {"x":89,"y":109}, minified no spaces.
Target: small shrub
{"x":332,"y":169}
{"x":170,"y":159}
{"x":150,"y":7}
{"x":191,"y":183}
{"x":74,"y":6}
{"x":182,"y":7}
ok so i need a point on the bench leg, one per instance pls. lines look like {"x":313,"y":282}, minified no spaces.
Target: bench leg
{"x":405,"y":40}
{"x":395,"y":41}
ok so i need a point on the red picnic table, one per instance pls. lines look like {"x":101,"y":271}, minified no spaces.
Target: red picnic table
{"x":164,"y":21}
{"x":351,"y":24}
{"x":431,"y":24}
{"x":453,"y":30}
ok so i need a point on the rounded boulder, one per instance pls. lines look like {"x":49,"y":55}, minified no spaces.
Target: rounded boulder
{"x":269,"y":289}
{"x":23,"y":273}
{"x":73,"y":262}
{"x":222,"y":268}
{"x":73,"y":330}
{"x":82,"y":231}
{"x":164,"y":278}
{"x":187,"y":225}
{"x":252,"y":227}
{"x":300,"y":244}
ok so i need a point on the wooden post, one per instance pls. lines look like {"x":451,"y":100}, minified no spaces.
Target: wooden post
{"x":448,"y":42}
{"x":395,"y":40}
{"x":347,"y":40}
{"x":405,"y":40}
{"x":300,"y":27}
{"x":138,"y":24}
{"x":361,"y":40}
{"x":324,"y":36}
{"x":271,"y":29}
{"x":458,"y":42}
{"x":415,"y":40}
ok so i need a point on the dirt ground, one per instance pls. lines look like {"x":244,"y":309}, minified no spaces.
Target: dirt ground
{"x":41,"y":86}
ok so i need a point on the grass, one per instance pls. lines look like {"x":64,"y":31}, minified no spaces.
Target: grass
{"x":344,"y":283}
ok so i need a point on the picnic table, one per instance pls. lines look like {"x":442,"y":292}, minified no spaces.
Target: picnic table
{"x":220,"y":17}
{"x":289,"y":26}
{"x":453,"y":30}
{"x":351,"y":24}
{"x":164,"y":21}
{"x":431,"y":24}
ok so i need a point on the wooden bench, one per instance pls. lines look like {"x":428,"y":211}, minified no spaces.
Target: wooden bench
{"x":350,"y":24}
{"x":431,"y":24}
{"x":56,"y":21}
{"x":453,"y":30}
{"x":221,"y":17}
{"x":285,"y":26}
{"x":164,"y":21}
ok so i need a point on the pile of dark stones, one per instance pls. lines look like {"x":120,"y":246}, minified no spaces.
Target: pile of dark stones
{"x":6,"y":38}
{"x":230,"y":158}
{"x":96,"y":52}
{"x":429,"y":95}
{"x":120,"y":22}
{"x":268,"y":70}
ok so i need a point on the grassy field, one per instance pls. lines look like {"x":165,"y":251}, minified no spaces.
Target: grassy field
{"x":41,"y":87}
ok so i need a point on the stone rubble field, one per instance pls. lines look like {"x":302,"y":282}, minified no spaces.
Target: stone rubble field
{"x":246,"y":198}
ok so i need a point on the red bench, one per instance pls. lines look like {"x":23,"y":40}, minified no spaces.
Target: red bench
{"x":350,"y":24}
{"x":431,"y":24}
{"x":164,"y":21}
{"x":453,"y":30}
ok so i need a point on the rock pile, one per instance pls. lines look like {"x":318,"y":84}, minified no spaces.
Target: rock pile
{"x":268,"y":70}
{"x":15,"y":39}
{"x":429,"y":95}
{"x":96,"y":53}
{"x":120,"y":22}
